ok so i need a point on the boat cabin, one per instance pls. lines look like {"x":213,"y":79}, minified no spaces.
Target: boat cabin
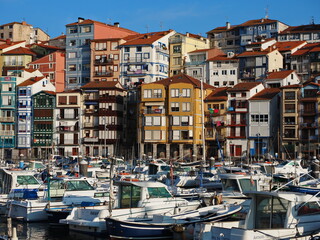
{"x":17,"y":179}
{"x":131,"y":194}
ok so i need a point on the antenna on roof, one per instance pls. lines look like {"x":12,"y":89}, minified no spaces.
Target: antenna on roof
{"x":267,"y":12}
{"x":147,"y":27}
{"x":109,"y":21}
{"x":312,"y":20}
{"x":161,"y":26}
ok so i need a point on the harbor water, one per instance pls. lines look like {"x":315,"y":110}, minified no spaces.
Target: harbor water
{"x":39,"y":231}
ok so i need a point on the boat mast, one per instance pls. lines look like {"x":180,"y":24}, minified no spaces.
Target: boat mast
{"x":202,"y":116}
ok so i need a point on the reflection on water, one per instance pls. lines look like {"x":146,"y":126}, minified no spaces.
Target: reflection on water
{"x":37,"y":231}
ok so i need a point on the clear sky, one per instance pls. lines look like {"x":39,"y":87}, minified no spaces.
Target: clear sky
{"x":142,"y":16}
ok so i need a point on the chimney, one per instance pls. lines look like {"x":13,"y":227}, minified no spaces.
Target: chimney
{"x":228,"y":25}
{"x":24,"y":23}
{"x":80,"y":19}
{"x":188,"y":34}
{"x":116,"y":24}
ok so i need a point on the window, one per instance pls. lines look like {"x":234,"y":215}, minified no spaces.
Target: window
{"x":148,"y":121}
{"x":157,"y":93}
{"x":51,"y":76}
{"x":72,"y":55}
{"x":86,"y":29}
{"x":73,"y":30}
{"x":73,"y":80}
{"x":218,"y":64}
{"x":139,"y":49}
{"x":243,"y":94}
{"x":177,"y":61}
{"x":259,"y":118}
{"x":126,"y":49}
{"x":174,"y":92}
{"x":186,"y":92}
{"x":215,"y":73}
{"x":289,"y":95}
{"x":186,"y":107}
{"x":101,"y":46}
{"x":115,"y":68}
{"x":147,"y":93}
{"x":233,"y":94}
{"x":232,"y":72}
{"x":115,"y":56}
{"x":73,"y":100}
{"x":146,"y":55}
{"x":224,"y":72}
{"x":114,"y":45}
{"x":51,"y":65}
{"x":290,"y":108}
{"x":126,"y":56}
{"x":72,"y":67}
{"x":177,"y":49}
{"x":72,"y":43}
{"x":175,"y":107}
{"x":62,"y":100}
{"x":175,"y":135}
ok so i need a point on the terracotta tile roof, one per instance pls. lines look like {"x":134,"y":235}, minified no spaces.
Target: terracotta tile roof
{"x":20,"y":51}
{"x":44,"y":46}
{"x":145,"y":39}
{"x":22,"y":23}
{"x":301,"y":29}
{"x":257,"y":22}
{"x":89,"y":21}
{"x":289,"y":45}
{"x":279,"y":75}
{"x":3,"y":46}
{"x":200,"y":50}
{"x":182,"y":78}
{"x":195,"y":36}
{"x":306,"y":49}
{"x":101,"y":84}
{"x":63,"y":36}
{"x":315,"y":49}
{"x":218,"y":94}
{"x":30,"y":81}
{"x":223,"y":58}
{"x":266,"y":94}
{"x":50,"y":92}
{"x":243,"y":86}
{"x":30,"y":70}
{"x":222,"y":29}
{"x":292,"y":86}
{"x":253,"y":53}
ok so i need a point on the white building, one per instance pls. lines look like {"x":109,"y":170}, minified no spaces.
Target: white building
{"x":238,"y":116}
{"x":264,"y":122}
{"x":281,"y":78}
{"x":145,"y":58}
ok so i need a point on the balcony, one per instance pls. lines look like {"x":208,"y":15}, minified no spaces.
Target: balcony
{"x":136,"y":72}
{"x":7,"y":133}
{"x":103,"y":74}
{"x":69,"y":142}
{"x":90,"y":139}
{"x":195,"y":63}
{"x":68,"y":129}
{"x":88,"y":124}
{"x":6,"y":119}
{"x":133,"y":60}
{"x":103,"y":62}
{"x":241,"y":122}
{"x":13,"y":63}
{"x":308,"y":112}
{"x":309,"y":125}
{"x":162,"y":49}
{"x":67,"y":116}
{"x":90,"y":111}
{"x":153,"y":111}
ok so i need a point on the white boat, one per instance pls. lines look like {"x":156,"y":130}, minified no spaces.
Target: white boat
{"x":135,"y":199}
{"x":272,"y":215}
{"x":289,"y":169}
{"x":63,"y":192}
{"x":15,"y":178}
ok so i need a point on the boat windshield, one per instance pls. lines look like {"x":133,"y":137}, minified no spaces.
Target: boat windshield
{"x":248,"y":185}
{"x":270,"y":212}
{"x":230,"y":185}
{"x":27,"y":180}
{"x":158,"y":192}
{"x":77,"y":185}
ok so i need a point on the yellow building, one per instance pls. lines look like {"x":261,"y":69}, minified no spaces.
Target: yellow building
{"x":289,"y":132}
{"x":180,"y":45}
{"x":170,"y":120}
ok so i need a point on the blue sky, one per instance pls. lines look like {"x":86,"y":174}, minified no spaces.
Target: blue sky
{"x":192,"y":16}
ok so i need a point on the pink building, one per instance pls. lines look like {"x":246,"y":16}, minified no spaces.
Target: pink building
{"x":53,"y":66}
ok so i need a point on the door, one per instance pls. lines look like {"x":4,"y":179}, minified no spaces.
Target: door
{"x":238,"y":150}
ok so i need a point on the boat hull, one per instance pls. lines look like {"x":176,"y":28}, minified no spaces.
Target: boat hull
{"x":133,"y":230}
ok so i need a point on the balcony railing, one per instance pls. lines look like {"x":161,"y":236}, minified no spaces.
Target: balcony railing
{"x":103,"y":62}
{"x":90,"y":139}
{"x":237,"y":122}
{"x":88,"y":124}
{"x":67,"y":116}
{"x":14,"y":63}
{"x":133,"y":60}
{"x":154,"y":111}
{"x":6,"y":119}
{"x":309,"y":125}
{"x":103,"y":74}
{"x":136,"y":72}
{"x":7,"y":133}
